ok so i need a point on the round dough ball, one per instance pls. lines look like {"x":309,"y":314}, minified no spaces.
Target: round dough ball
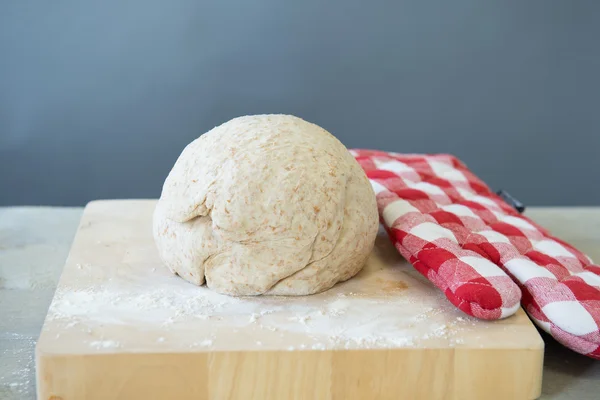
{"x":266,"y":204}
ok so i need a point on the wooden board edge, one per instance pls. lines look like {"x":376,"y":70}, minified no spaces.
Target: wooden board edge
{"x":329,"y":375}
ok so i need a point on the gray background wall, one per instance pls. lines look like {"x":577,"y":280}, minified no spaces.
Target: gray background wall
{"x":97,"y":99}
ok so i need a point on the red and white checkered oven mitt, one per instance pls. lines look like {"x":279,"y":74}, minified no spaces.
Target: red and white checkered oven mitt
{"x":479,"y":251}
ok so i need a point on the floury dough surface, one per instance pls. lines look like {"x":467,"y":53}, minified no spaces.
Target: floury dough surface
{"x":266,"y":204}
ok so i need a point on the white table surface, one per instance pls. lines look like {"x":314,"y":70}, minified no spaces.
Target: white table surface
{"x":35,"y":241}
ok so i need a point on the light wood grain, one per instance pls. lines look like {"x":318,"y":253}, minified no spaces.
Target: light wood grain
{"x":338,"y":375}
{"x":113,"y":248}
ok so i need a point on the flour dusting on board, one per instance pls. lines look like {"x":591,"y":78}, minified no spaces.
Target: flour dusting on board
{"x":105,"y":344}
{"x":333,"y":319}
{"x":139,"y":305}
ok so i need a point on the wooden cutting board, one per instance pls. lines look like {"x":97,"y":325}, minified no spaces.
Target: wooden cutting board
{"x":121,"y":326}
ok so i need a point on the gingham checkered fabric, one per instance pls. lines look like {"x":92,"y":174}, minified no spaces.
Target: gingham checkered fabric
{"x":472,"y":245}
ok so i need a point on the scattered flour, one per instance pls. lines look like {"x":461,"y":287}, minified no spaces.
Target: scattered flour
{"x":18,"y":378}
{"x":301,"y":319}
{"x":329,"y":320}
{"x":105,"y":344}
{"x":203,"y":343}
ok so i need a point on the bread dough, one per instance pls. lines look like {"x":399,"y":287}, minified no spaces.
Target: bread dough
{"x":266,"y":204}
